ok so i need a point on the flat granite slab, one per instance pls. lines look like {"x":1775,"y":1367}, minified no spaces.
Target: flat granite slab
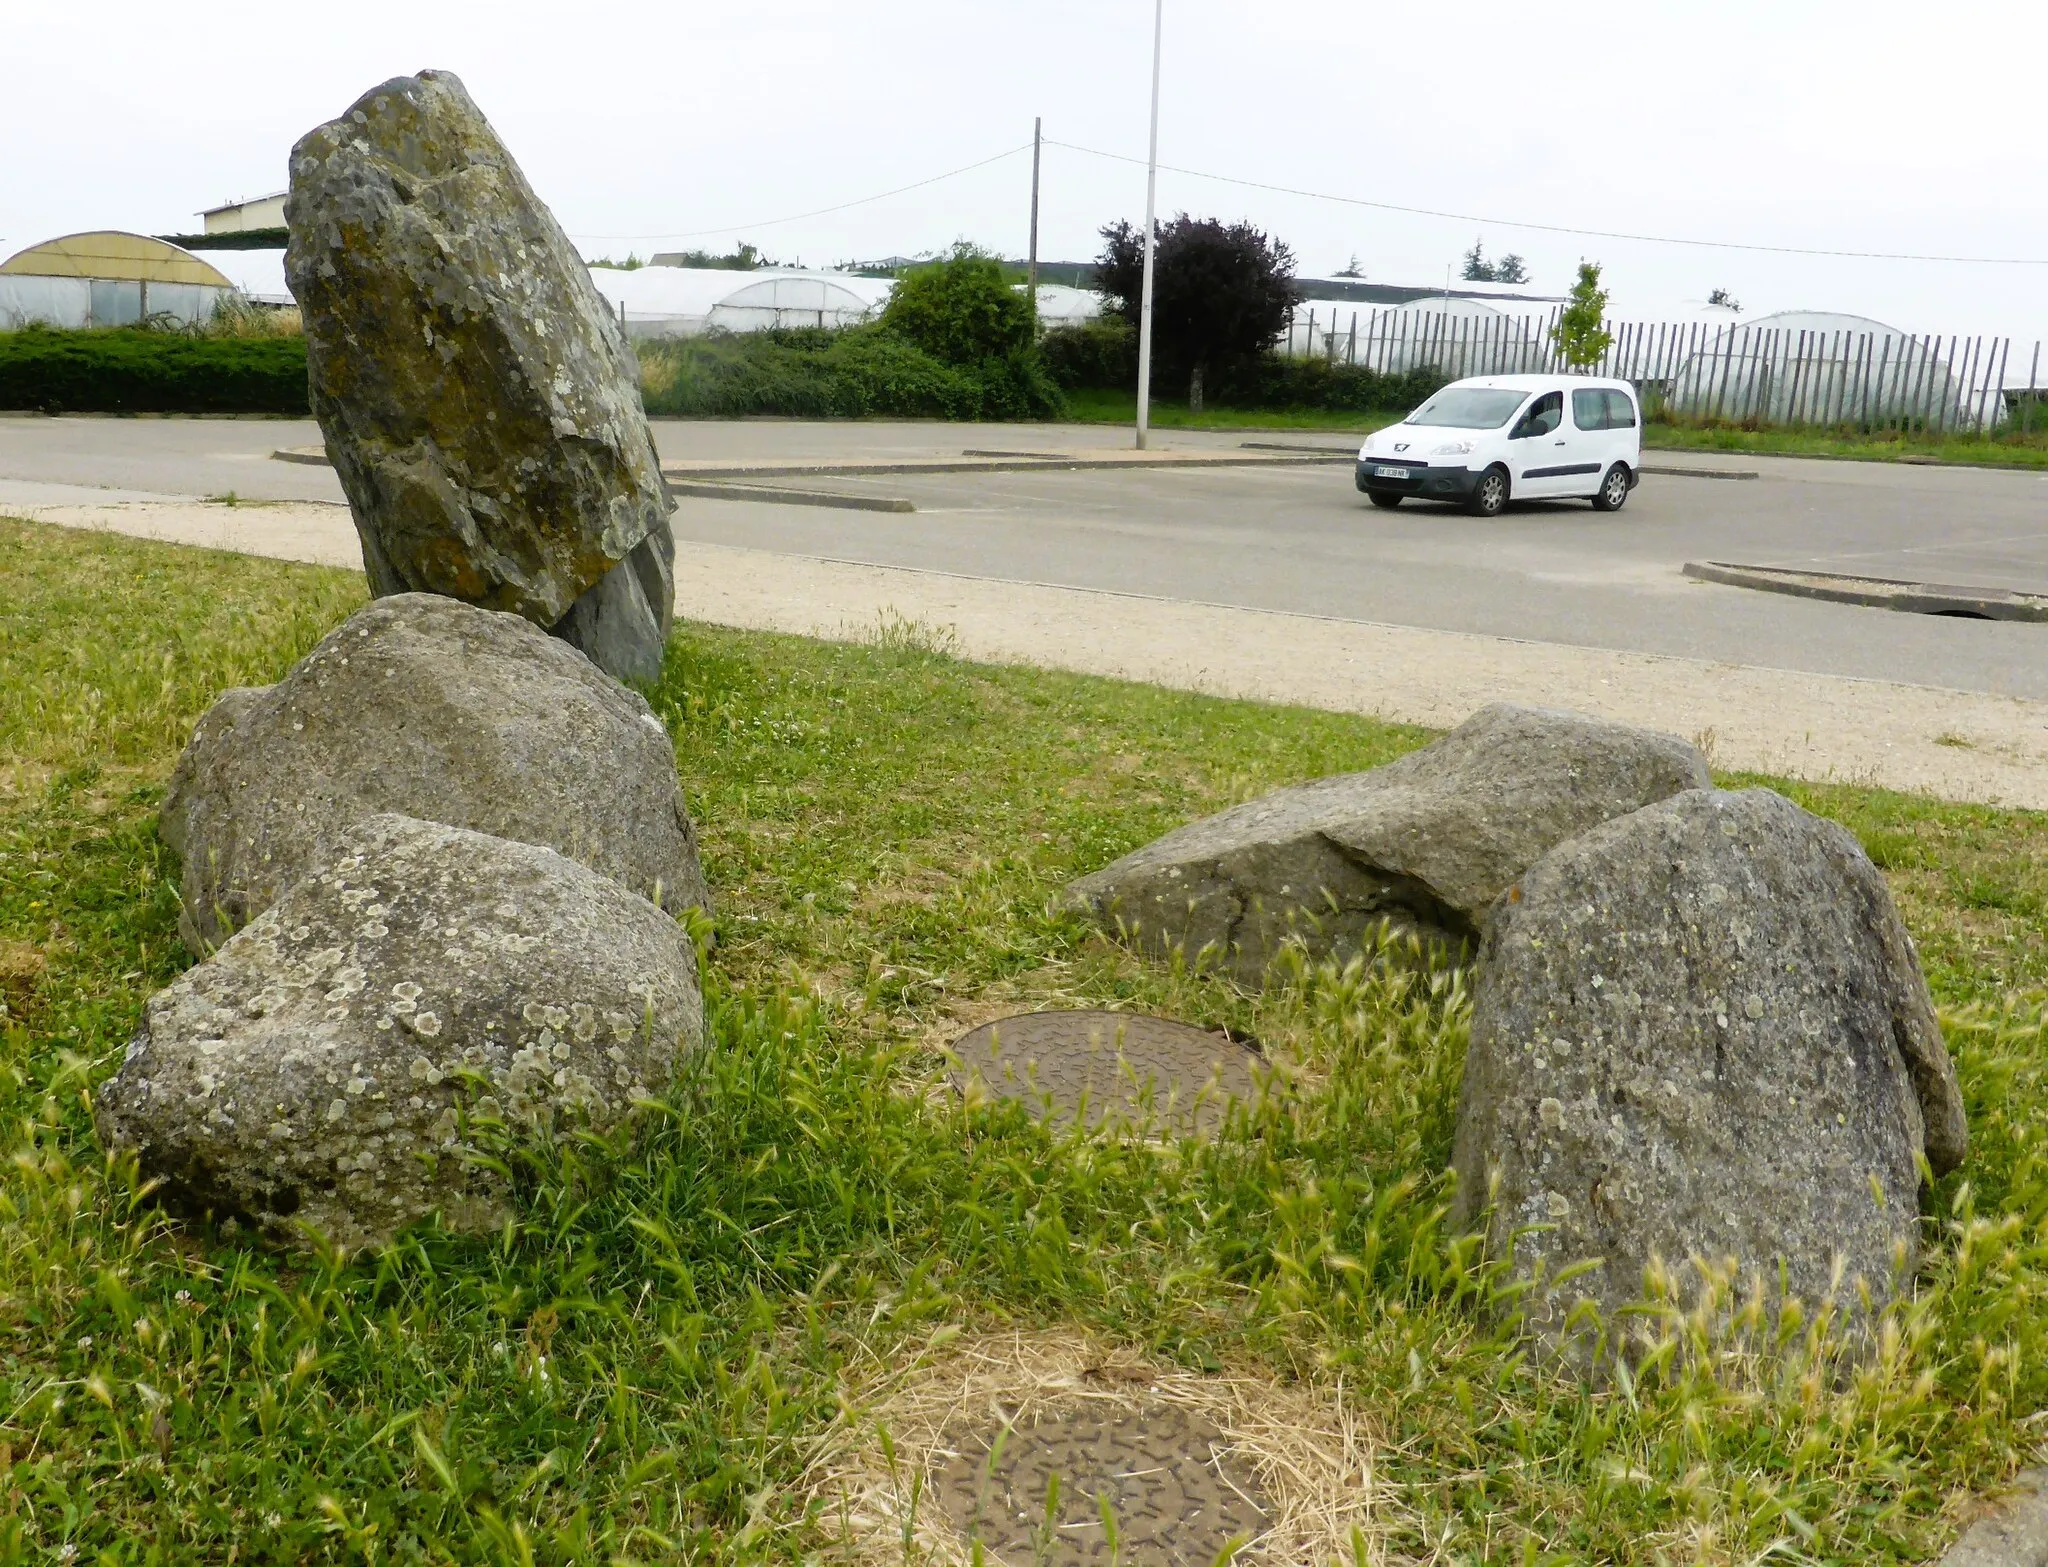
{"x":2015,"y":1534}
{"x":1148,"y":1070}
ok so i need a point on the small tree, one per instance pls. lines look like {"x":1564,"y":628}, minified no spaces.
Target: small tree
{"x":1579,"y":334}
{"x":1721,"y":296}
{"x":1511,"y":268}
{"x":1350,"y":268}
{"x":1220,"y":293}
{"x":1477,"y":268}
{"x":961,"y":310}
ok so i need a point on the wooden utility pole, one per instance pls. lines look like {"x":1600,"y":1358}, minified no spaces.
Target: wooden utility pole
{"x":1031,"y":274}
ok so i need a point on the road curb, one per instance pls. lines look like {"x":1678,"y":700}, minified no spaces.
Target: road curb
{"x":709,"y":489}
{"x":1913,"y":598}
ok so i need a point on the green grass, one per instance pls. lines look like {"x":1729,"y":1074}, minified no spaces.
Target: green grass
{"x":2023,"y":450}
{"x":639,"y":1369}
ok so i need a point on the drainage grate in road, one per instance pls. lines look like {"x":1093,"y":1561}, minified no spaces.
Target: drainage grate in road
{"x":1916,"y":598}
{"x":1051,"y":1492}
{"x":1137,"y":1068}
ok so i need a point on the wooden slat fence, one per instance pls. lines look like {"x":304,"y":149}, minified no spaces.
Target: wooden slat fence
{"x":1717,"y":372}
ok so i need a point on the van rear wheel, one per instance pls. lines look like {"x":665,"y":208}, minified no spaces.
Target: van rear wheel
{"x":1383,"y":500}
{"x":1613,"y":492}
{"x":1490,"y":495}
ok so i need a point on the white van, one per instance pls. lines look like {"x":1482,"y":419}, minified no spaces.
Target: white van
{"x":1494,"y":438}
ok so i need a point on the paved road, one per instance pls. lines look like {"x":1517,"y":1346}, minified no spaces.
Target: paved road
{"x":1298,"y":539}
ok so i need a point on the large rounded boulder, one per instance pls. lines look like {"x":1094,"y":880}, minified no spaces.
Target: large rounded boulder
{"x":433,"y":709}
{"x":1700,"y":1034}
{"x":1426,"y":842}
{"x":325,"y":1070}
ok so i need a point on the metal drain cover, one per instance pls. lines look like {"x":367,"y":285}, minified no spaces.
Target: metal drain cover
{"x":1147,"y":1069}
{"x":1173,"y":1494}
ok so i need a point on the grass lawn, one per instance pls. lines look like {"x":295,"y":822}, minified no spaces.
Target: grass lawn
{"x":640,"y":1369}
{"x":2019,"y":451}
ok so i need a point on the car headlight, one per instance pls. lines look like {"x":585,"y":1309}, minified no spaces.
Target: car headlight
{"x":1453,"y":449}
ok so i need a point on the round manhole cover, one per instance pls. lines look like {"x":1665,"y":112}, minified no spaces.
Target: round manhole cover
{"x":1160,"y":1474}
{"x":1145,"y":1069}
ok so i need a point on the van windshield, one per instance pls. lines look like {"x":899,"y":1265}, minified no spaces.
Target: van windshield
{"x":1469,"y":408}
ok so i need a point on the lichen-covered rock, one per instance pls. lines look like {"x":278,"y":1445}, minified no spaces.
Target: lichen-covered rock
{"x":320,"y":1068}
{"x":480,"y":404}
{"x":1426,"y":842}
{"x":1700,"y":1031}
{"x":427,"y":707}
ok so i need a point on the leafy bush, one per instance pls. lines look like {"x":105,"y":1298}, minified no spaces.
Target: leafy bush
{"x":1220,"y":293}
{"x":1100,"y":355}
{"x":851,"y":373}
{"x":961,"y":311}
{"x":139,"y":370}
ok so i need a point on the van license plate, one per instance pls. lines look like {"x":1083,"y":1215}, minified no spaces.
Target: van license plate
{"x":1390,"y":473}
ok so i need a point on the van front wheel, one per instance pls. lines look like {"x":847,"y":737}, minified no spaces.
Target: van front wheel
{"x":1383,"y":499}
{"x":1613,"y":492}
{"x":1490,"y":495}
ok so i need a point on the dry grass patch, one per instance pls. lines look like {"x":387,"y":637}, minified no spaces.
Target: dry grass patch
{"x":900,"y":1427}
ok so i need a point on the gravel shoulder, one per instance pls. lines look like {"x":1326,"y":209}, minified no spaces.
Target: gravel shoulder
{"x":1927,"y":740}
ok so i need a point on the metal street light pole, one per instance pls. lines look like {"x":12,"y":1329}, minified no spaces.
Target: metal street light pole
{"x":1151,"y":193}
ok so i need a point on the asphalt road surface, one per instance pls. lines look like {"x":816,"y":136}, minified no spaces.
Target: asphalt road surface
{"x":1299,"y":539}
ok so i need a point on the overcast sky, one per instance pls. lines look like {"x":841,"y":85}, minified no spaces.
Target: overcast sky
{"x":1867,"y":127}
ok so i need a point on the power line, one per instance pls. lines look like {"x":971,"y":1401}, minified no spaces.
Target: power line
{"x":769,"y":223}
{"x":1559,"y":228}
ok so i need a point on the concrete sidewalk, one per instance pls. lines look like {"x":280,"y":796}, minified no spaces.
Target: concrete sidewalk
{"x":1955,"y":745}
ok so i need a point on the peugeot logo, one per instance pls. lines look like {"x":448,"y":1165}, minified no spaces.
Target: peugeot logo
{"x":1400,"y":446}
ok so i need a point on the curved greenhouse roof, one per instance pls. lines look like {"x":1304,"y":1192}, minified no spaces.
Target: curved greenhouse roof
{"x":107,"y":278}
{"x":678,"y":301}
{"x":1059,"y":305}
{"x":113,"y":256}
{"x":1820,"y":321}
{"x":683,"y":301}
{"x":1818,"y":367}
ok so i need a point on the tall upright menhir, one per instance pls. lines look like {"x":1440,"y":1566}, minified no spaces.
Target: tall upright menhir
{"x":478,"y":399}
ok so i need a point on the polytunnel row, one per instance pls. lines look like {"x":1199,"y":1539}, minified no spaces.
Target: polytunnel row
{"x":669,"y":301}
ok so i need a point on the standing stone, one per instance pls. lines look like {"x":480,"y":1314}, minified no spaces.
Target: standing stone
{"x":318,"y":1068}
{"x":1426,"y":842}
{"x":480,"y":403}
{"x":1701,"y":1031}
{"x":424,"y":706}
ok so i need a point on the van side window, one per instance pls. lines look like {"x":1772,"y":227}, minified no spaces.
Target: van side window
{"x":1621,"y":412}
{"x":1590,"y":408}
{"x":1544,"y":415}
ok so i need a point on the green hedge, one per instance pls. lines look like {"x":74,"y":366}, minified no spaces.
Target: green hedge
{"x":1103,"y":356}
{"x":1100,"y":356}
{"x":136,"y":370}
{"x":858,"y":372}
